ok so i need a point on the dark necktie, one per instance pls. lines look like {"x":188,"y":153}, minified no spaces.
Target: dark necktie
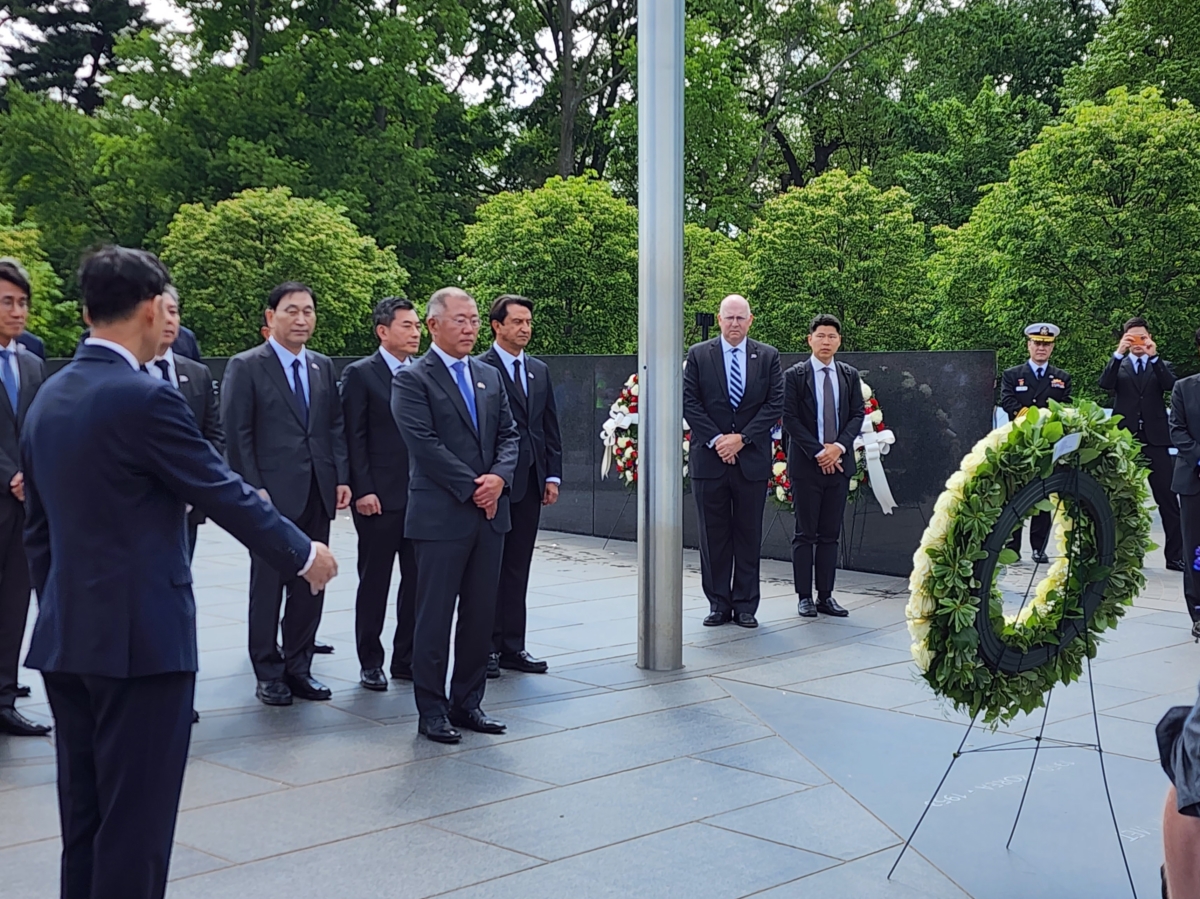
{"x":298,"y":392}
{"x":736,"y":388}
{"x":829,"y":418}
{"x":165,"y":369}
{"x":142,"y":368}
{"x":517,"y":376}
{"x":1139,"y":366}
{"x":7,"y":376}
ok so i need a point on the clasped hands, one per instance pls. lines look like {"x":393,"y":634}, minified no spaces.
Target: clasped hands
{"x":487,"y":494}
{"x":728,"y":446}
{"x":830,"y":458}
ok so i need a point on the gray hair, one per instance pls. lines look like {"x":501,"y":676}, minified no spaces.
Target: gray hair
{"x":171,"y":291}
{"x":437,"y":302}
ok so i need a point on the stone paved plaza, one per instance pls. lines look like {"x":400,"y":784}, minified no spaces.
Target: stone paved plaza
{"x":785,"y":762}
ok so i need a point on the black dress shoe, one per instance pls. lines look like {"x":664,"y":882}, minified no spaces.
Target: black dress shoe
{"x":523,"y":661}
{"x":321,"y":649}
{"x":195,"y":717}
{"x":23,"y":692}
{"x":829,"y":606}
{"x":1175,"y":565}
{"x":402,"y":673}
{"x":1040,"y":557}
{"x":805,"y":607}
{"x":307,"y":687}
{"x":493,"y":668}
{"x":745,"y":619}
{"x":373,"y":679}
{"x":438,"y":730}
{"x":15,"y":724}
{"x":273,"y":692}
{"x":716,"y":619}
{"x":476,"y":720}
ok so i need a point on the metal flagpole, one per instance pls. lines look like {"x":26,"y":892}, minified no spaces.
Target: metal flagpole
{"x":660,"y":335}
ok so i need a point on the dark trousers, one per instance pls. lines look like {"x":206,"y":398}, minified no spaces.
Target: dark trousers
{"x":303,"y":612}
{"x":380,"y":540}
{"x":467,"y":568}
{"x":508,"y":632}
{"x":729,"y":511}
{"x":1162,"y":466}
{"x":1039,"y":533}
{"x":122,"y":746}
{"x":193,"y":531}
{"x":820,"y":501}
{"x":14,"y":596}
{"x":1189,"y":516}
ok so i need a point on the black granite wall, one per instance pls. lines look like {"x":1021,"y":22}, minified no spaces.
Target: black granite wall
{"x":938,"y":405}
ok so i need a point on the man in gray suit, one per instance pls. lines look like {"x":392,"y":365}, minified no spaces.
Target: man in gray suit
{"x":283,"y":425}
{"x":1185,"y":481}
{"x":21,"y":374}
{"x":454,"y":416}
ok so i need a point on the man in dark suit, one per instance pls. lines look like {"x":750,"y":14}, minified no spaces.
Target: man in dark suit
{"x":185,"y":343}
{"x":284,"y":434}
{"x":195,"y":381}
{"x":822,"y":414}
{"x":111,"y":457}
{"x":537,"y":478}
{"x":379,"y":481}
{"x":1185,"y":481}
{"x":21,"y":376}
{"x":732,"y":398}
{"x":463,"y":446}
{"x":1035,"y":383}
{"x":1137,"y":379}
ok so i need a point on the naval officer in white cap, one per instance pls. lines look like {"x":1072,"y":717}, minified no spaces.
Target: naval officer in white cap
{"x":1035,"y":383}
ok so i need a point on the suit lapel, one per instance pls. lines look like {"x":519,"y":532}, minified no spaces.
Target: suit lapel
{"x":445,"y":380}
{"x":515,"y":393}
{"x":317,"y":391}
{"x":382,"y":371}
{"x":1140,"y":381}
{"x":482,"y":406}
{"x":275,"y":373}
{"x":751,"y":365}
{"x":718,"y":354}
{"x":1040,"y":385}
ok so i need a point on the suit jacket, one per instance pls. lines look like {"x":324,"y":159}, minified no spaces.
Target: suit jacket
{"x":185,"y":343}
{"x":33,"y":343}
{"x":1185,"y":434}
{"x":110,"y":458}
{"x":268,"y":443}
{"x":1140,"y":399}
{"x":536,"y":417}
{"x":709,"y":413}
{"x":1019,"y":389}
{"x":445,"y":453}
{"x":378,"y":456}
{"x":800,"y":414}
{"x":33,"y":373}
{"x":198,"y":388}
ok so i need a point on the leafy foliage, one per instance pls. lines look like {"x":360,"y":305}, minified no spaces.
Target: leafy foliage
{"x":53,"y":319}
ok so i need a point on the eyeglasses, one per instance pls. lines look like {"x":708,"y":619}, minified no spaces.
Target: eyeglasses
{"x":461,"y":321}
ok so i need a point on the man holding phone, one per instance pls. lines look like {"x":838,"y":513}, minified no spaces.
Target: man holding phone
{"x":1137,"y":379}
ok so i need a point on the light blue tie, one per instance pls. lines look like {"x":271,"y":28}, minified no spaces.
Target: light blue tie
{"x":468,"y":392}
{"x":7,"y":376}
{"x":735,"y":380}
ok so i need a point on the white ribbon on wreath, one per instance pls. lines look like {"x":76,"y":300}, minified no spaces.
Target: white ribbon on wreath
{"x":874,"y":445}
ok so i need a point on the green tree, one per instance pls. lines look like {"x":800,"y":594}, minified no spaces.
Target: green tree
{"x":226,"y":258}
{"x":1148,"y":43}
{"x":1099,"y":221}
{"x":571,"y":247}
{"x":840,"y":246}
{"x":713,"y":268}
{"x":51,"y":318}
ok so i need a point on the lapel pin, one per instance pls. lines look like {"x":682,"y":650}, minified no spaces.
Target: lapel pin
{"x":481,"y":385}
{"x":314,"y":365}
{"x":529,"y":376}
{"x":754,"y":355}
{"x":183,"y":379}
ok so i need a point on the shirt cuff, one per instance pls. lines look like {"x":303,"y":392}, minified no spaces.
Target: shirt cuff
{"x":312,"y":557}
{"x":843,"y":448}
{"x":1118,"y":355}
{"x":1153,"y":360}
{"x":553,"y":480}
{"x":713,"y":442}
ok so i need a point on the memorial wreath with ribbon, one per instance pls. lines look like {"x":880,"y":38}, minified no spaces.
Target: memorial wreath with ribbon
{"x":619,"y":434}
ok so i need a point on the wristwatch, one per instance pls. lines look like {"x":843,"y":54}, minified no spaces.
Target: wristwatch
{"x":745,"y":440}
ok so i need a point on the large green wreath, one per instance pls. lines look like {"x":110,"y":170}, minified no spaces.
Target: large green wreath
{"x":943,"y":611}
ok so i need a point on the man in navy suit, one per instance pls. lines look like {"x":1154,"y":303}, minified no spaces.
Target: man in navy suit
{"x":111,"y":457}
{"x":453,"y":414}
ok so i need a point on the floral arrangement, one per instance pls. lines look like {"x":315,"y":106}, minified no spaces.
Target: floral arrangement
{"x":780,"y":486}
{"x":620,"y":436}
{"x":944,"y":602}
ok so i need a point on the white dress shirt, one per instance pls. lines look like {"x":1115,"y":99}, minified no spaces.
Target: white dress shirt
{"x":15,"y":347}
{"x":1153,"y":360}
{"x":156,"y":372}
{"x":1039,"y":371}
{"x":819,"y":386}
{"x":508,"y":359}
{"x":728,"y":350}
{"x":450,"y":361}
{"x":394,"y":365}
{"x":286,"y":358}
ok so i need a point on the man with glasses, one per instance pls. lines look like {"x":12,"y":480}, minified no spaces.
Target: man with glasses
{"x":732,"y":398}
{"x":463,"y":446}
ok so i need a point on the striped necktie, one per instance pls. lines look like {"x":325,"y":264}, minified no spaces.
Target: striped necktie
{"x":736,"y":388}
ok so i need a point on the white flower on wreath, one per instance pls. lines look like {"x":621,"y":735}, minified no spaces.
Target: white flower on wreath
{"x":867,"y":392}
{"x":918,"y":629}
{"x":876,"y":416}
{"x":922,"y":655}
{"x":778,"y":468}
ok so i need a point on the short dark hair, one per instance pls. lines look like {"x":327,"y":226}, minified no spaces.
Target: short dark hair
{"x":386,"y":309}
{"x":499,"y":310}
{"x":284,"y":289}
{"x":1136,"y":322}
{"x":14,"y":273}
{"x":114,"y":281}
{"x":823,"y":320}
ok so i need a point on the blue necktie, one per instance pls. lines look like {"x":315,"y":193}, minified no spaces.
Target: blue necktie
{"x":735,"y":380}
{"x":468,"y":393}
{"x":7,"y":376}
{"x":298,"y":391}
